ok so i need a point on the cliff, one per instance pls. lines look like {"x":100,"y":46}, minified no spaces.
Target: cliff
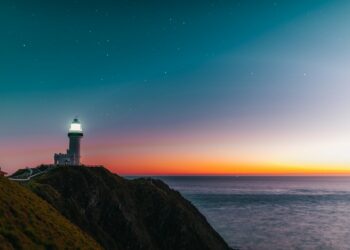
{"x":28,"y":222}
{"x":126,"y":214}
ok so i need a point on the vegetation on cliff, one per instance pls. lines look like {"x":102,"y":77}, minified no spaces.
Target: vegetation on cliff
{"x":28,"y":222}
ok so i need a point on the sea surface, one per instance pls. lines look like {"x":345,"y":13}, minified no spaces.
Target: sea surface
{"x":273,"y":212}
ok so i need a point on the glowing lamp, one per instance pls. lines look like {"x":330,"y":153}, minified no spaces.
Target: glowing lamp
{"x":75,"y":127}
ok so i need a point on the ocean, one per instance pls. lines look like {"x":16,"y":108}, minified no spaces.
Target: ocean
{"x":273,"y":212}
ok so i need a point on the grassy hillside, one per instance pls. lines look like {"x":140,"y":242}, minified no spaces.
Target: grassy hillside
{"x":28,"y":222}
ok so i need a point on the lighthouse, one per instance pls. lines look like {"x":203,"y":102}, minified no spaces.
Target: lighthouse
{"x":72,"y":157}
{"x":75,"y":134}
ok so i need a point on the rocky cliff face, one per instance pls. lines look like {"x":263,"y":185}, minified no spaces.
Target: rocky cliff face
{"x":126,"y":214}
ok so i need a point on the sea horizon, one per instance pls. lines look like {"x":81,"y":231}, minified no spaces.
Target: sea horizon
{"x":197,"y":175}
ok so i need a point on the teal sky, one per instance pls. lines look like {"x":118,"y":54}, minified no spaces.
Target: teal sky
{"x":267,"y":79}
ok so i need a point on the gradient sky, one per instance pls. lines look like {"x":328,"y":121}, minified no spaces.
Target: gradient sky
{"x":178,"y":87}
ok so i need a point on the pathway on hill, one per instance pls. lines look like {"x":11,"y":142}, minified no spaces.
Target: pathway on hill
{"x":31,"y":173}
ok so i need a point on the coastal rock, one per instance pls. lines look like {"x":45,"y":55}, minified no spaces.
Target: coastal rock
{"x":126,"y":214}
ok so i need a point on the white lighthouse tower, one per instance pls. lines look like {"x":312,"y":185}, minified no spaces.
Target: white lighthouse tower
{"x":72,"y":157}
{"x":75,"y":134}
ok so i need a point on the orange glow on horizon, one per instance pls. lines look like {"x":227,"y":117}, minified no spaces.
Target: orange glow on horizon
{"x":150,"y":166}
{"x":221,"y":153}
{"x":186,"y":155}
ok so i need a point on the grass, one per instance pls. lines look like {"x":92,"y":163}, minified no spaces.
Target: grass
{"x":28,"y":222}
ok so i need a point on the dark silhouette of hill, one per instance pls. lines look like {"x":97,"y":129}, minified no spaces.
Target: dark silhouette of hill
{"x":28,"y":222}
{"x":126,"y":214}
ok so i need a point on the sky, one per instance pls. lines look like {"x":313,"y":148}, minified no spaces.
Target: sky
{"x":178,"y":87}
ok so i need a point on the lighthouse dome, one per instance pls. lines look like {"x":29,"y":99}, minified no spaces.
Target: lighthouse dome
{"x":75,"y":126}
